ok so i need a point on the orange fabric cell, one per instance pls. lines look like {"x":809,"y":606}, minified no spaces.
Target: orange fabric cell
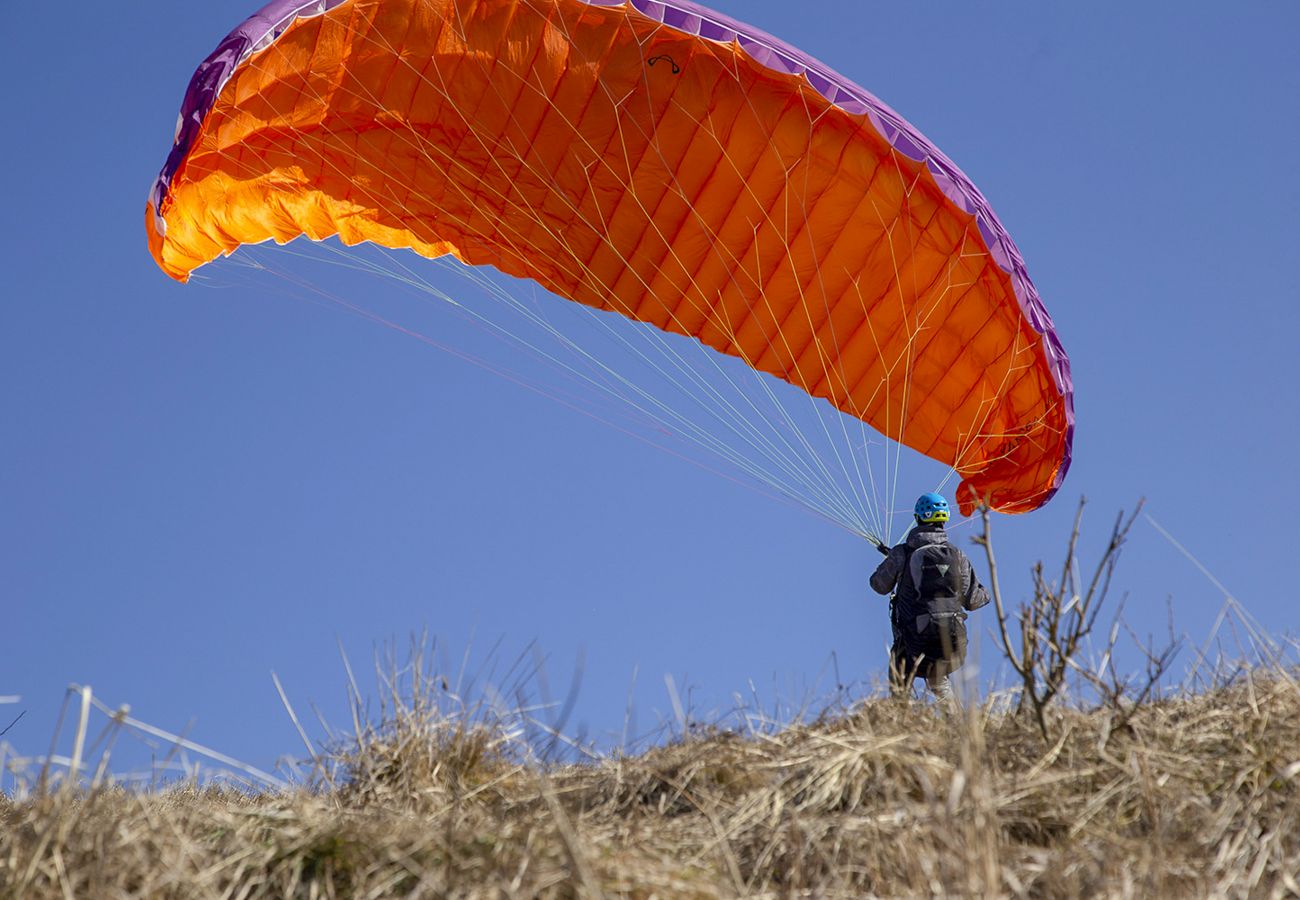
{"x":632,"y":167}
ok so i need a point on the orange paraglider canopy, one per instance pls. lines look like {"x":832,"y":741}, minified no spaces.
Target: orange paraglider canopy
{"x":635,"y":158}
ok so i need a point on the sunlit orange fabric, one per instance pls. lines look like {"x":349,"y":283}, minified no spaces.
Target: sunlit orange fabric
{"x":631,"y":167}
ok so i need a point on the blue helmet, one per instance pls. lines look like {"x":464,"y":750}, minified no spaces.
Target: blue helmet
{"x":931,"y":509}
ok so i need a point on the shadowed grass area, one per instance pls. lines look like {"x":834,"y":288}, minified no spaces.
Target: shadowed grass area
{"x":1193,"y":795}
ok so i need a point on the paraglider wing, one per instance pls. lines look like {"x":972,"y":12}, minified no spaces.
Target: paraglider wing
{"x":651,"y":158}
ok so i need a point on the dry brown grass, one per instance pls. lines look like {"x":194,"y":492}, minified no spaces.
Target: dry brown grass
{"x":1197,"y":795}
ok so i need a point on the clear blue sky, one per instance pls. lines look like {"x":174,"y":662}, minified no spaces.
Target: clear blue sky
{"x":200,"y":485}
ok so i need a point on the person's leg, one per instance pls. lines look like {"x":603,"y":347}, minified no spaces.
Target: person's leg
{"x":901,"y":673}
{"x":941,"y":687}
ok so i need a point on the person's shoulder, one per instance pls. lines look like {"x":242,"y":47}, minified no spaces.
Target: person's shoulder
{"x":960,"y":552}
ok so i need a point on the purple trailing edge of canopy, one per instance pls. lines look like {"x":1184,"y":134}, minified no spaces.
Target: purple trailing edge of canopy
{"x":264,"y":27}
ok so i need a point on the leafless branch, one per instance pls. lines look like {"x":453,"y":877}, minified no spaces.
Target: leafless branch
{"x":1054,"y":624}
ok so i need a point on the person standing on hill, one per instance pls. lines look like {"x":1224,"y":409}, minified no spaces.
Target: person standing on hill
{"x":933,"y":586}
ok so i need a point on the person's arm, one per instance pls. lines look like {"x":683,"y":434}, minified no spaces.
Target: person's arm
{"x":886,"y":574}
{"x":974,"y":596}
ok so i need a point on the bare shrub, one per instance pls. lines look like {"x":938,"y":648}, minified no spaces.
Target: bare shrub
{"x":1052,"y":628}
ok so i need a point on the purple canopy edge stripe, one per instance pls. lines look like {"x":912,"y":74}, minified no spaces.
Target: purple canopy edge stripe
{"x":258,"y":32}
{"x":261,"y":29}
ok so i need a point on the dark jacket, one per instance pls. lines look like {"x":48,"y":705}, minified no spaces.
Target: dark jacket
{"x":908,"y":607}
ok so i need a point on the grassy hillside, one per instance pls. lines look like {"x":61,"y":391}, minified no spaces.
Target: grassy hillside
{"x":1196,"y":795}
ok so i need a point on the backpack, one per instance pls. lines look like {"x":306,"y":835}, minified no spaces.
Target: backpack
{"x":940,"y":632}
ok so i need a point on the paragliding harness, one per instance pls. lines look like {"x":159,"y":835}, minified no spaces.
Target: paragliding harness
{"x":934,"y":644}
